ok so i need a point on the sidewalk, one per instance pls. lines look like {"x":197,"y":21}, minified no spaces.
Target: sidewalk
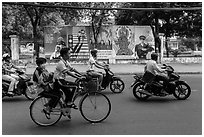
{"x":123,"y":69}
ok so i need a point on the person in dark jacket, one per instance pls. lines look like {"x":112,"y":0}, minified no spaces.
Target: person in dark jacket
{"x":142,"y":48}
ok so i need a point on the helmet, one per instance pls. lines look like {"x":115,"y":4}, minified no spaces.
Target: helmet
{"x":154,"y":56}
{"x":64,"y":51}
{"x":94,"y":51}
{"x":6,"y":56}
{"x":40,"y":61}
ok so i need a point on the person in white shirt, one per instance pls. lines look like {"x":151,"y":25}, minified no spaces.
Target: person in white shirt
{"x":56,"y":53}
{"x":61,"y":81}
{"x":153,"y":67}
{"x":91,"y":67}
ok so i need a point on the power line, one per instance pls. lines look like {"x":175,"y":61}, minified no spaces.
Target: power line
{"x":91,"y":8}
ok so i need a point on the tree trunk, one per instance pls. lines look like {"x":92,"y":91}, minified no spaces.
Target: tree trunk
{"x":36,"y":46}
{"x":166,"y":46}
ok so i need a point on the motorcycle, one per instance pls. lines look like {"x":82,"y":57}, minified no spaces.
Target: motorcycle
{"x":116,"y":83}
{"x":180,"y":89}
{"x":24,"y":86}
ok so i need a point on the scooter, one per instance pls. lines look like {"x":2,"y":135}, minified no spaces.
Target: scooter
{"x":180,"y":89}
{"x":24,"y":86}
{"x":116,"y":83}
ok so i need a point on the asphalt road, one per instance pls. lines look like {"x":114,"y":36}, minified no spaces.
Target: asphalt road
{"x":156,"y":116}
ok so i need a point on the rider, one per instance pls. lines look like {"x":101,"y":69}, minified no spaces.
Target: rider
{"x":41,"y":75}
{"x":7,"y":72}
{"x":93,"y":62}
{"x":61,"y":78}
{"x":153,"y":67}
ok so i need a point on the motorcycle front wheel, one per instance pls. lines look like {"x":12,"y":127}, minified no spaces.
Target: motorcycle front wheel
{"x":117,"y":86}
{"x":31,"y":92}
{"x":182,"y":91}
{"x":138,"y":95}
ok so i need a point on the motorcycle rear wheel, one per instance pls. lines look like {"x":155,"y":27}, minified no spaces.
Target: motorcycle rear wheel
{"x":138,"y":95}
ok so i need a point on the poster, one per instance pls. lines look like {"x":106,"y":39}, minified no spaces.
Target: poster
{"x":115,"y":41}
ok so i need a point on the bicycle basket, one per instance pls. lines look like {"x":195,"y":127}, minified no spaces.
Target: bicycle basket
{"x":148,"y":77}
{"x":91,"y":86}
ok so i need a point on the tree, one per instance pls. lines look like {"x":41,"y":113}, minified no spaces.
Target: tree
{"x":150,"y":18}
{"x":97,"y":18}
{"x":14,"y":21}
{"x":183,"y":23}
{"x":35,"y":18}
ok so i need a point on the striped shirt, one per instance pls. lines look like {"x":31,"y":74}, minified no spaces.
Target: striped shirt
{"x":6,"y":66}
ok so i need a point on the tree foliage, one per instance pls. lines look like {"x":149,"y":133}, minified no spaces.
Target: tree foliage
{"x":28,"y":21}
{"x":182,"y":23}
{"x":97,"y":18}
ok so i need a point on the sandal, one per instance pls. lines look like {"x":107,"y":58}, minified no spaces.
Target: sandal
{"x":72,"y":106}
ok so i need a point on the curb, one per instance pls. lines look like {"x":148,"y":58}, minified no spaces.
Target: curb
{"x":140,"y":73}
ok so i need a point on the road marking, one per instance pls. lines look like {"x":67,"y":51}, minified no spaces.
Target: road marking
{"x":194,"y":90}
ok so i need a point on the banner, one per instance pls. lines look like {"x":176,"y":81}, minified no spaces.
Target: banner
{"x":114,"y":41}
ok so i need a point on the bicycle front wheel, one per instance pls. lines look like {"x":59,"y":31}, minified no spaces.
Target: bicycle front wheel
{"x":95,"y":107}
{"x":40,"y":117}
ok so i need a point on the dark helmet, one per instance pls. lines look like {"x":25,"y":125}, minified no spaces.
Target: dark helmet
{"x":64,"y":51}
{"x":40,"y":61}
{"x":94,"y":51}
{"x":6,"y":56}
{"x":154,"y":56}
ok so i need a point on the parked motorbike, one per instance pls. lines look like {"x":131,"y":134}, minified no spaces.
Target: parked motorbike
{"x":180,"y":89}
{"x":116,"y":83}
{"x":24,"y":86}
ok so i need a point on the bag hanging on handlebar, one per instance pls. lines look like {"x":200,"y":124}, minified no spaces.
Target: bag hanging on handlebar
{"x":91,"y":86}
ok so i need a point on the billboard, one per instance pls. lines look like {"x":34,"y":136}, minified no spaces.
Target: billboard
{"x":115,"y":41}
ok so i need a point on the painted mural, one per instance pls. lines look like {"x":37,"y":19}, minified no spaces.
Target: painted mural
{"x":117,"y":41}
{"x":73,"y":37}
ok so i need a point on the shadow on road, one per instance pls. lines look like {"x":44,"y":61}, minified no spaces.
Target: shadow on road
{"x":158,"y":100}
{"x":14,"y":99}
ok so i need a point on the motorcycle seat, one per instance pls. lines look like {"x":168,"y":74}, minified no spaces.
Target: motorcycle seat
{"x":7,"y":81}
{"x":148,"y":77}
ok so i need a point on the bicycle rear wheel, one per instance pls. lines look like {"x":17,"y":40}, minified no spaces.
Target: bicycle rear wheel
{"x":39,"y":116}
{"x":95,"y":107}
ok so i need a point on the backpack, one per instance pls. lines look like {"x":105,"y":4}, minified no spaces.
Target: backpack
{"x":37,"y":74}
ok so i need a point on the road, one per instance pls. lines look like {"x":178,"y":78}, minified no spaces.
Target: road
{"x":156,"y":116}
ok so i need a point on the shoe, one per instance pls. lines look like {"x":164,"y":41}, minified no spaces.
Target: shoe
{"x":69,"y":117}
{"x":145,"y":92}
{"x":72,"y":106}
{"x":10,"y":93}
{"x":164,"y":92}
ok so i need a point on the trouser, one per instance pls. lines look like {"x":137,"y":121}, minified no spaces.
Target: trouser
{"x":68,"y":89}
{"x":96,"y":74}
{"x":162,"y":77}
{"x":12,"y":80}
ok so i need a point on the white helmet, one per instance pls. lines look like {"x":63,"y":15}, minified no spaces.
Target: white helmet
{"x":5,"y":56}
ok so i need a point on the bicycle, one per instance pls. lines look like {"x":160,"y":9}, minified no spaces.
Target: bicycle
{"x":94,"y":107}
